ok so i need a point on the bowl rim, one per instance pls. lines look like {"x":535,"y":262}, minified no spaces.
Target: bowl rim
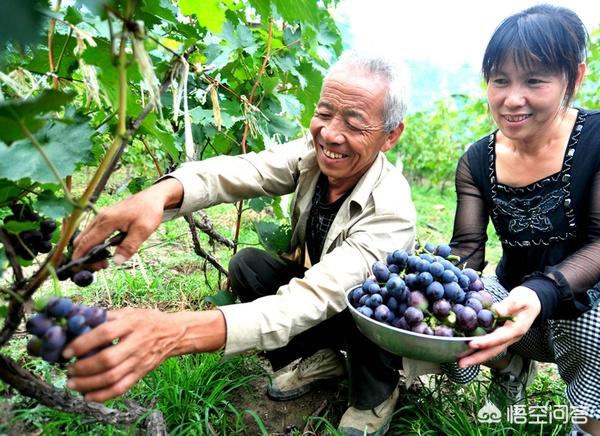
{"x":465,"y":339}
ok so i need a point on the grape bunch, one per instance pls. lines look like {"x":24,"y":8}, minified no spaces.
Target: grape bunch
{"x":426,"y":293}
{"x":29,"y":243}
{"x":57,"y":324}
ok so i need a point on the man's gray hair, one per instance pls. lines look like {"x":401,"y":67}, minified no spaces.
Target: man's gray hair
{"x":392,"y":71}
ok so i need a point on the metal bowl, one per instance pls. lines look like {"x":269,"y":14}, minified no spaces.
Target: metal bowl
{"x":408,"y":344}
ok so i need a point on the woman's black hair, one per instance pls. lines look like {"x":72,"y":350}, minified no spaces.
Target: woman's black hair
{"x":550,"y":37}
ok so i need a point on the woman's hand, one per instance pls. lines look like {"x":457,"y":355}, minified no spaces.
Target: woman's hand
{"x":524,"y":306}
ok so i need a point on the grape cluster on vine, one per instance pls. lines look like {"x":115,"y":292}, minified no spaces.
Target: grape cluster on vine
{"x":57,"y":324}
{"x":29,"y":243}
{"x":426,"y":293}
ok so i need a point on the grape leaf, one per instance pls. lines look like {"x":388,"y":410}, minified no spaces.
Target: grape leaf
{"x":221,"y":298}
{"x":309,"y":96}
{"x":208,"y":12}
{"x":20,"y":21}
{"x":274,"y":237}
{"x":305,"y":11}
{"x":14,"y":112}
{"x":51,"y":206}
{"x":8,"y":190}
{"x":65,"y":145}
{"x":73,"y":16}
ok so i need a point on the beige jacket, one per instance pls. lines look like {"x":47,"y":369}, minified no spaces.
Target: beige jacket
{"x":377,"y":218}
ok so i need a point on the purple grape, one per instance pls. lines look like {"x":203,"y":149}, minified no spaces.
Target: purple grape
{"x":381,"y":272}
{"x":400,"y":257}
{"x":376,"y":300}
{"x":374,"y":288}
{"x":365,"y":300}
{"x":94,"y":316}
{"x":59,"y":308}
{"x":413,"y":316}
{"x":401,"y":309}
{"x":424,"y":279}
{"x":471,"y":273}
{"x":83,"y":278}
{"x":54,"y":337}
{"x":466,"y":319}
{"x":474,"y":304}
{"x":400,"y":323}
{"x":456,"y":308}
{"x":430,"y":247}
{"x":464,"y":281}
{"x":34,"y":346}
{"x":367,"y":284}
{"x":451,"y":291}
{"x":487,"y":299}
{"x":411,"y":281}
{"x":435,"y":291}
{"x":476,"y":285}
{"x":443,"y":250}
{"x":392,"y":303}
{"x":443,"y":330}
{"x":423,"y":266}
{"x":47,"y":227}
{"x":395,"y":285}
{"x":355,"y":296}
{"x":366,"y":311}
{"x":422,"y":328}
{"x":43,"y":247}
{"x":473,"y":294}
{"x":485,"y":318}
{"x":448,"y":276}
{"x":393,"y":268}
{"x":383,"y":313}
{"x":76,"y":324}
{"x":411,"y":263}
{"x":38,"y":325}
{"x":51,"y":354}
{"x":441,"y":308}
{"x":436,"y":269}
{"x":418,"y":300}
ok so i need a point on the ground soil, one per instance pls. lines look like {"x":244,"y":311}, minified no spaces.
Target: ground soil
{"x":294,"y":416}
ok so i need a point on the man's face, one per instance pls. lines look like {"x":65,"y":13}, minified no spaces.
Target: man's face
{"x":347,"y":127}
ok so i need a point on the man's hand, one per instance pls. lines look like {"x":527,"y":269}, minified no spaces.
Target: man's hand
{"x":524,"y":305}
{"x":146,"y":338}
{"x":139,"y":216}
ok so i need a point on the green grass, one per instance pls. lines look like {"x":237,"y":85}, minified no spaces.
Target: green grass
{"x":196,"y":393}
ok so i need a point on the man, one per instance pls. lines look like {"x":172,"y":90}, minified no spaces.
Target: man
{"x":351,"y":208}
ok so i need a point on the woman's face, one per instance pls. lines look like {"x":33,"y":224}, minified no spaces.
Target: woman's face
{"x":524,"y":103}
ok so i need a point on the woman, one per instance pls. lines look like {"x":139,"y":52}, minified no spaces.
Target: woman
{"x":538,"y":178}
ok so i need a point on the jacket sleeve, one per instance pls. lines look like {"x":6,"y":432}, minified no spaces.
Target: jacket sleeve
{"x":227,"y":179}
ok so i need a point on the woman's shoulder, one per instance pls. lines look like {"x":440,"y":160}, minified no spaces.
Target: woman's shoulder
{"x":592,"y":117}
{"x":479,"y":149}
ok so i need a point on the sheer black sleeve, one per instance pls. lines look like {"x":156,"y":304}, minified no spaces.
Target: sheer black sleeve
{"x":470,"y":222}
{"x":581,"y":270}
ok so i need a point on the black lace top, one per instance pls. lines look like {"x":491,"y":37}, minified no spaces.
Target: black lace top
{"x":549,"y":230}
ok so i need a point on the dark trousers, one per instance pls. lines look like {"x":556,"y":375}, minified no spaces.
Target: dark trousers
{"x":373,"y":374}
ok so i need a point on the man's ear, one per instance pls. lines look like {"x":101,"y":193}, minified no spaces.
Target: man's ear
{"x":392,"y":137}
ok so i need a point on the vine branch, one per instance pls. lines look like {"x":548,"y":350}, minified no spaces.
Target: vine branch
{"x":240,"y":204}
